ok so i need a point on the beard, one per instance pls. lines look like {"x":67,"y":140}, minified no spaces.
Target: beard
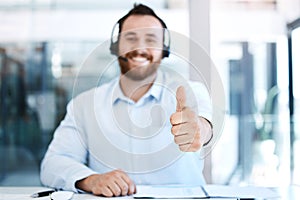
{"x":135,"y":71}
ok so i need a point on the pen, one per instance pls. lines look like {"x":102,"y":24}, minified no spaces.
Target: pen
{"x":42,"y":194}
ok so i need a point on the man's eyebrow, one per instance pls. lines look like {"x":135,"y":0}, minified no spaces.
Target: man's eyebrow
{"x":130,"y":33}
{"x":151,"y":35}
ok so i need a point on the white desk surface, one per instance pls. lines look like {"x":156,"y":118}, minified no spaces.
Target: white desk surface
{"x":23,"y":193}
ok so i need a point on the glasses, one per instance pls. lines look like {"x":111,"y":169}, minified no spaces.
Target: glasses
{"x":61,"y":195}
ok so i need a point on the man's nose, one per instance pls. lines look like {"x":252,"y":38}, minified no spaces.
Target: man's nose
{"x":141,"y":50}
{"x":141,"y":46}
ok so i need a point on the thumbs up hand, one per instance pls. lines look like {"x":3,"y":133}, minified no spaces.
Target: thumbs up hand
{"x":190,"y":130}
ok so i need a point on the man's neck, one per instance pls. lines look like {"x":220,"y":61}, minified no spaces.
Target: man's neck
{"x":135,"y":89}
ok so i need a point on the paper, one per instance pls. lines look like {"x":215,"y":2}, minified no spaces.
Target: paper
{"x":61,"y":195}
{"x":169,"y":192}
{"x":205,"y":192}
{"x":247,"y":192}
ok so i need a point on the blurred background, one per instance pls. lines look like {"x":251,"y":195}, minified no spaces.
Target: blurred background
{"x":253,"y":44}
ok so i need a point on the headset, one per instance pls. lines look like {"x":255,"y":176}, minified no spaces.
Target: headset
{"x":114,"y":45}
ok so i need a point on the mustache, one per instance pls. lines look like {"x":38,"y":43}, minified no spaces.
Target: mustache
{"x":136,"y":53}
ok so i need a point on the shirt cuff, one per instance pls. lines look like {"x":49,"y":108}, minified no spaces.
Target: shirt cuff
{"x":76,"y":177}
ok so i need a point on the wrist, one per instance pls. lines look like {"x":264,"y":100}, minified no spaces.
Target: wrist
{"x":208,"y":131}
{"x":83,"y":184}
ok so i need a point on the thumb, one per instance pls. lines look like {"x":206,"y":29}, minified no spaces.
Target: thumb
{"x":181,"y":98}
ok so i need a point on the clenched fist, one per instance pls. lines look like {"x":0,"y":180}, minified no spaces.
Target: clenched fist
{"x":114,"y":183}
{"x":190,"y":130}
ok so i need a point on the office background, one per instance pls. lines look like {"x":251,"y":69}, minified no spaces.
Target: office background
{"x":253,"y":44}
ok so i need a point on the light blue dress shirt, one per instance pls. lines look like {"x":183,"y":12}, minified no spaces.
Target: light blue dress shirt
{"x":104,"y":130}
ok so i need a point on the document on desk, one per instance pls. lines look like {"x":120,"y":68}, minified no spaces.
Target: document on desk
{"x":202,"y":192}
{"x":246,"y":192}
{"x":169,"y":192}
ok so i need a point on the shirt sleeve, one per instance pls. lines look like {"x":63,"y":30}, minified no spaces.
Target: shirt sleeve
{"x":65,"y":160}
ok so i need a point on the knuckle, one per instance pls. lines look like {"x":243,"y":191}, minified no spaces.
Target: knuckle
{"x":109,"y":178}
{"x":174,"y":130}
{"x":172,"y":120}
{"x":119,"y":172}
{"x":116,"y":173}
{"x":113,"y":172}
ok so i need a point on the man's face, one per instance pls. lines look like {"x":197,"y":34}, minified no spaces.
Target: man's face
{"x":140,"y":42}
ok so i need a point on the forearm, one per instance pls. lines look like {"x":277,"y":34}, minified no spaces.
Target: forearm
{"x":62,"y":172}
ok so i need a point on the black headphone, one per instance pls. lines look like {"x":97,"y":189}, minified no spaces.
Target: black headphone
{"x":114,"y":46}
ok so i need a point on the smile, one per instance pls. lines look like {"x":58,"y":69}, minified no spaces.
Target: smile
{"x":140,"y":61}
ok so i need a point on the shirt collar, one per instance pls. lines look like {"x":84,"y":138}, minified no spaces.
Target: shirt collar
{"x":155,"y":91}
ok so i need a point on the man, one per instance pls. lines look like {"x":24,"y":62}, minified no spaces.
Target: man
{"x":132,"y":130}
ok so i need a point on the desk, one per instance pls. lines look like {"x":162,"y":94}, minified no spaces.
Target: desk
{"x":23,"y":193}
{"x":290,"y":193}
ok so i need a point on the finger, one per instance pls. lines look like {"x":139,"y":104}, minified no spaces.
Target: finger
{"x":187,"y":138}
{"x":115,"y":189}
{"x":183,"y":139}
{"x":131,"y":185}
{"x":181,"y":98}
{"x":185,"y":147}
{"x":184,"y":116}
{"x":193,"y":146}
{"x":105,"y":191}
{"x":177,"y":130}
{"x":123,"y":186}
{"x":184,"y":128}
{"x":132,"y":190}
{"x":177,"y":118}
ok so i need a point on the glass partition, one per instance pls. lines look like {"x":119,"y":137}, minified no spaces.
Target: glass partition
{"x":255,"y":140}
{"x":35,"y":84}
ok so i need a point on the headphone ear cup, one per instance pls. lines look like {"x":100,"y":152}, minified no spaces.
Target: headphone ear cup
{"x":114,"y":48}
{"x":166,"y":51}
